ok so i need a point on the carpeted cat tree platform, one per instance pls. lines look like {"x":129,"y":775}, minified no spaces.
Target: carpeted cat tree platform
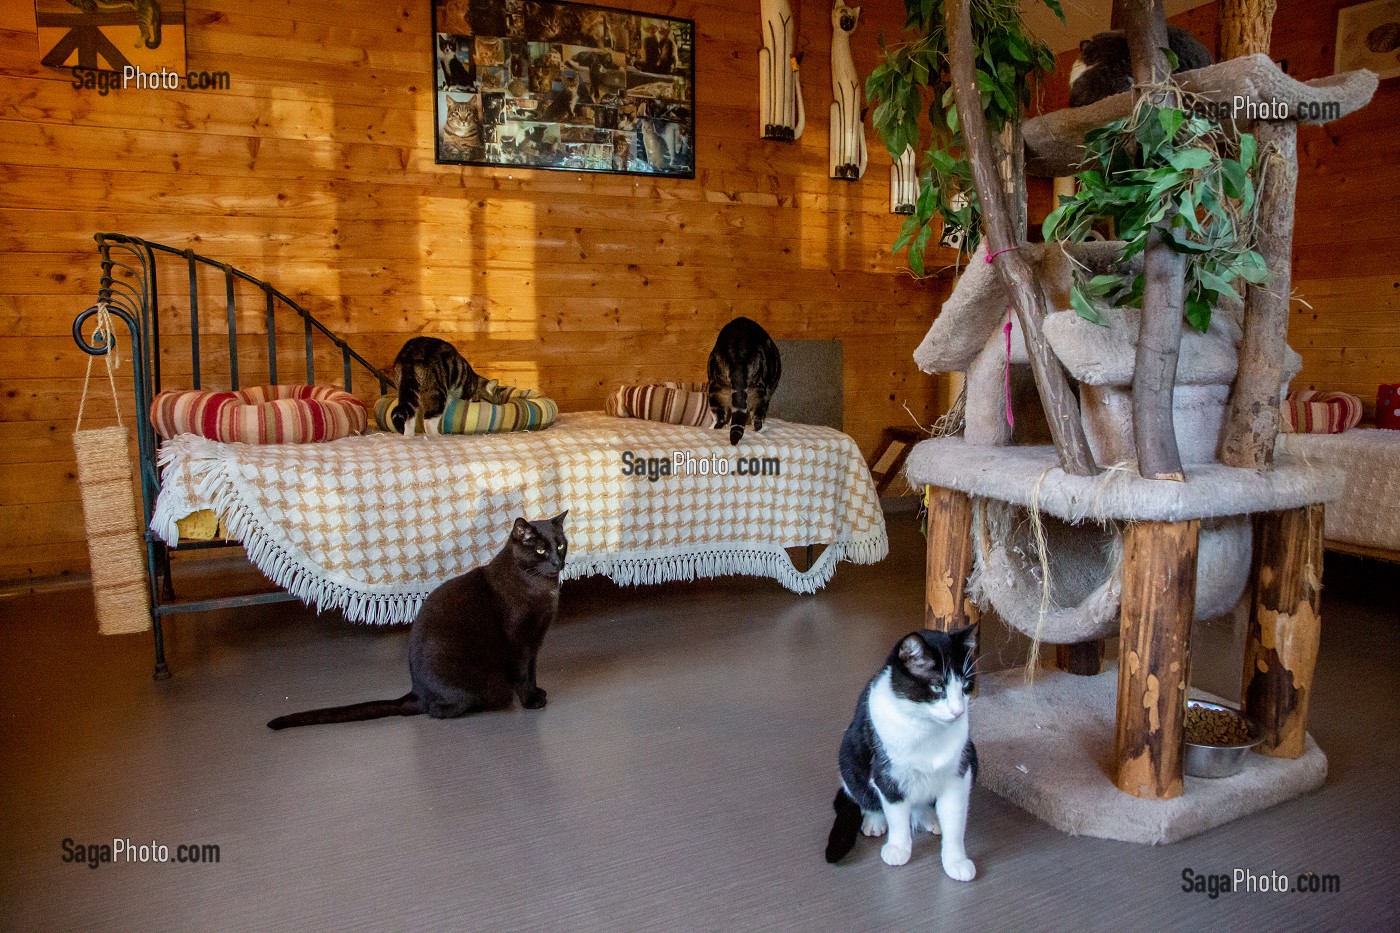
{"x":1101,"y":755}
{"x":1190,"y":516}
{"x":1048,"y":748}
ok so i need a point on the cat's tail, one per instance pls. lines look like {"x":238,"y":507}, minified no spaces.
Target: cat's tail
{"x":739,"y":418}
{"x":846,"y":828}
{"x":407,"y":401}
{"x":406,"y":705}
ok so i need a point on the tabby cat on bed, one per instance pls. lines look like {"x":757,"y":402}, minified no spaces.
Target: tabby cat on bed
{"x":428,"y":370}
{"x":907,"y":757}
{"x":744,"y":370}
{"x":474,"y":643}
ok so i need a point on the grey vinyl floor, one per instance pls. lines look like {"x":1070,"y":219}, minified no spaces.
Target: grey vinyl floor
{"x":680,"y":778}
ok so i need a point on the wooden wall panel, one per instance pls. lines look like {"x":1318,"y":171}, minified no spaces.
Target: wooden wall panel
{"x":1346,"y":259}
{"x":315,"y":171}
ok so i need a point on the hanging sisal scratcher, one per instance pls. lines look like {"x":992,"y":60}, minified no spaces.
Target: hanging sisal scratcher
{"x":115,"y":548}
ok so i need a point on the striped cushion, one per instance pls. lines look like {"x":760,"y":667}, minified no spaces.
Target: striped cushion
{"x":686,"y":403}
{"x":283,"y":414}
{"x":1308,"y":411}
{"x":519,"y":410}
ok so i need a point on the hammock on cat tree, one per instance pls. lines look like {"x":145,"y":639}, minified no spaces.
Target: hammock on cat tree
{"x":1064,"y":552}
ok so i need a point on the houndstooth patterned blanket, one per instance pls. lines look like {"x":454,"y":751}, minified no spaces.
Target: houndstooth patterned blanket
{"x":370,"y":525}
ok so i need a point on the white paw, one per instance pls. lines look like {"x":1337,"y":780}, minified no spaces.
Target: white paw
{"x":433,"y":425}
{"x":960,"y":869}
{"x":896,"y":854}
{"x":924,"y":819}
{"x":874,"y":824}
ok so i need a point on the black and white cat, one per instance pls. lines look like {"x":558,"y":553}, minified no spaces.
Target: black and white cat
{"x":907,"y":758}
{"x":454,"y":73}
{"x":473,"y":646}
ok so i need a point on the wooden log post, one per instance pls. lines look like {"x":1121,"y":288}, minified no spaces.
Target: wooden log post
{"x":1285,"y":628}
{"x":1013,"y":271}
{"x":1252,"y":421}
{"x":1084,"y":659}
{"x":947,"y":607}
{"x":1159,"y":596}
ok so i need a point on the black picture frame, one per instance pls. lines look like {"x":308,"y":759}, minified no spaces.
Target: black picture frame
{"x":566,"y":86}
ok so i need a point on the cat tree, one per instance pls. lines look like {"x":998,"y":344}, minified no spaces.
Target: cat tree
{"x":1064,"y":551}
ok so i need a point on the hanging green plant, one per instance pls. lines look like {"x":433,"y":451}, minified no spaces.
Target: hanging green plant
{"x":1009,"y":60}
{"x":1173,"y":169}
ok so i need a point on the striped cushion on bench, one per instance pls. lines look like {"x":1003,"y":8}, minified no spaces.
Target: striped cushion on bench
{"x":686,"y":403}
{"x":281,"y":414}
{"x":519,"y":410}
{"x":1311,"y":412}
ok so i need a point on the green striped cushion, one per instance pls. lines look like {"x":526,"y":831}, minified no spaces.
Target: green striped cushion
{"x":522,"y":410}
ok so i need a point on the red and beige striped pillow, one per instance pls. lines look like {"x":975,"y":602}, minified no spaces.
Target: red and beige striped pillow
{"x":1308,"y":411}
{"x":283,"y":414}
{"x":685,"y":403}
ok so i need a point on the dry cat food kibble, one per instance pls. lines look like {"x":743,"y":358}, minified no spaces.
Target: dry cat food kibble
{"x":1214,"y":727}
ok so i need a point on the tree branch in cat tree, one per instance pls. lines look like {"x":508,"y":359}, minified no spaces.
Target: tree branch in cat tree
{"x":1016,"y":275}
{"x":1252,"y":422}
{"x":1251,"y":425}
{"x":1164,"y":276}
{"x":1246,"y":27}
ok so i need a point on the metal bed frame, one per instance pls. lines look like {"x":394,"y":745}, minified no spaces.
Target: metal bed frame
{"x":138,"y":306}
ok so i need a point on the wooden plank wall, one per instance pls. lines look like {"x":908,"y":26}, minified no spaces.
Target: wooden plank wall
{"x":1346,"y":239}
{"x":315,"y":171}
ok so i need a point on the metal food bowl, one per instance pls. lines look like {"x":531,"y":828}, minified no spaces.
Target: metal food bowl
{"x":1217,"y":761}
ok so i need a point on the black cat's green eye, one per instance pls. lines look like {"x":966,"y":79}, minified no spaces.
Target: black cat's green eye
{"x":540,"y":551}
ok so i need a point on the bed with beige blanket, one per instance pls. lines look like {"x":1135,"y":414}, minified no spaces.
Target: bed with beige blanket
{"x":370,"y":525}
{"x":1366,"y":520}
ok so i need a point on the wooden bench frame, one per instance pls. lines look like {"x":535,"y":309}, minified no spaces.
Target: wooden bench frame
{"x":130,"y":290}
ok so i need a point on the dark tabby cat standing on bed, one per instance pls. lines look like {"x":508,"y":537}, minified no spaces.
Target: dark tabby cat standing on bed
{"x":474,"y":643}
{"x":428,"y":370}
{"x":907,"y":758}
{"x":744,"y":370}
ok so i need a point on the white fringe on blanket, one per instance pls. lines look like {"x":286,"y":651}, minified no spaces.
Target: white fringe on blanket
{"x":203,"y":474}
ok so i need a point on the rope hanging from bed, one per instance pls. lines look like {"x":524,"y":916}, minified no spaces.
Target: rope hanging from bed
{"x":121,"y":592}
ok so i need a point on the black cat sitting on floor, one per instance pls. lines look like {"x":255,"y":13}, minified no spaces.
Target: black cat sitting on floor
{"x":1105,"y":67}
{"x":744,"y":370}
{"x":474,"y":643}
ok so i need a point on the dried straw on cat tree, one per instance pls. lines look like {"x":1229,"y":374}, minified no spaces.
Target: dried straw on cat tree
{"x":120,"y":589}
